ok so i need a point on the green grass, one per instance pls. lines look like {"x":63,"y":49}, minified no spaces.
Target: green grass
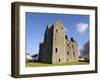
{"x":37,"y":64}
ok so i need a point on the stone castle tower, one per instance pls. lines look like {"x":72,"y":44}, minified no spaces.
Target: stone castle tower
{"x":56,"y":47}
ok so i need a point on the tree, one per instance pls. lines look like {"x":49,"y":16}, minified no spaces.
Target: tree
{"x":85,"y":51}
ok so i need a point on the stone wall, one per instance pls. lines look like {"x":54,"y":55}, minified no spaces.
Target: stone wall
{"x":57,"y":48}
{"x":45,"y":52}
{"x":58,"y":44}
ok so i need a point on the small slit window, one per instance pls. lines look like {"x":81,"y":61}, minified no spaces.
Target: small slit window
{"x":74,"y":53}
{"x":59,"y":60}
{"x":72,"y":46}
{"x":56,"y":30}
{"x":68,"y":45}
{"x":67,"y":53}
{"x":56,"y":50}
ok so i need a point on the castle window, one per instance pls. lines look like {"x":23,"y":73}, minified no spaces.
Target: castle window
{"x":74,"y":53}
{"x":66,"y":37}
{"x":56,"y":50}
{"x":72,"y":46}
{"x":56,"y":30}
{"x":67,"y":53}
{"x":68,"y":45}
{"x":59,"y":60}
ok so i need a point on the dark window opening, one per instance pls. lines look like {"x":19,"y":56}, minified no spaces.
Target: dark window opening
{"x":67,"y":53}
{"x":72,"y":46}
{"x":56,"y":30}
{"x":56,"y":50}
{"x":68,"y":45}
{"x":74,"y":53}
{"x":59,"y":60}
{"x":72,"y":39}
{"x":66,"y":37}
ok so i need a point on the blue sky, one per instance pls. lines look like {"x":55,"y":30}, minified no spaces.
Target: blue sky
{"x":76,"y":26}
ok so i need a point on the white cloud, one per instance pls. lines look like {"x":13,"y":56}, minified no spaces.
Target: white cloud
{"x":81,"y":27}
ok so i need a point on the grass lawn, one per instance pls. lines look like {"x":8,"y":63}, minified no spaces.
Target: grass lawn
{"x":37,"y":64}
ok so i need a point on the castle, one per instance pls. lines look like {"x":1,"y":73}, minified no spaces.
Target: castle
{"x":56,"y":47}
